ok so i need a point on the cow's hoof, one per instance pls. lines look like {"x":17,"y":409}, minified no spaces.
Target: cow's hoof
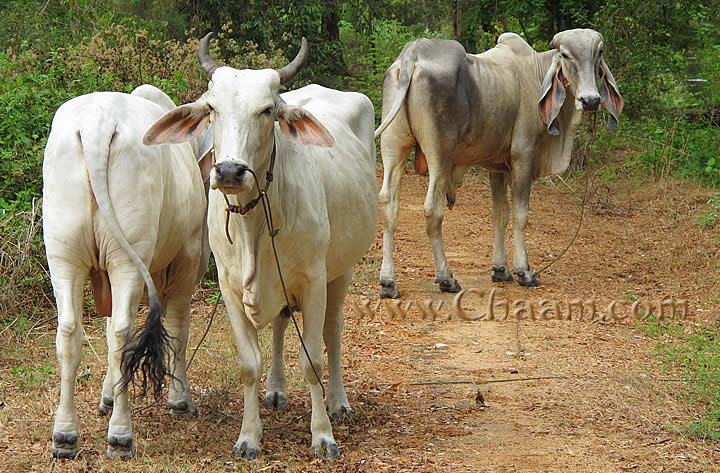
{"x":527,"y":279}
{"x":327,"y":450}
{"x":244,"y":452}
{"x":65,"y":444}
{"x":276,"y":400}
{"x":449,"y":285}
{"x":501,"y":274}
{"x":121,"y":446}
{"x":106,"y":406}
{"x":182,"y":409}
{"x":343,"y":413}
{"x":388,"y":290}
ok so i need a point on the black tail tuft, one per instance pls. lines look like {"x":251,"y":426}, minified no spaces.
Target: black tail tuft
{"x":147,"y":353}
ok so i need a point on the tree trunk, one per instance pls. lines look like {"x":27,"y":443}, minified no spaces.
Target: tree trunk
{"x":331,"y":34}
{"x":455,"y":12}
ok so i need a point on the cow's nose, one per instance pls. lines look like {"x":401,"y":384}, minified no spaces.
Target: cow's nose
{"x":590,"y":104}
{"x":230,"y":173}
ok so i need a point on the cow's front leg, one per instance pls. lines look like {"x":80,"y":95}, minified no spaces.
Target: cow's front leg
{"x":521,"y":183}
{"x":275,"y":395}
{"x":250,"y":358}
{"x":434,"y":211}
{"x":314,"y":300}
{"x":500,"y":216}
{"x":67,"y":284}
{"x":178,"y":326}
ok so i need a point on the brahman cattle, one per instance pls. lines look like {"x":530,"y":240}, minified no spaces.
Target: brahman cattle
{"x":130,"y":217}
{"x":511,"y":110}
{"x":317,"y":144}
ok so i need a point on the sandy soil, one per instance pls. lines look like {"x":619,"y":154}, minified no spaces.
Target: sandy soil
{"x":446,"y":395}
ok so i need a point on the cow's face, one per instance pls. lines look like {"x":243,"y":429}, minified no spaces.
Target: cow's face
{"x":577,"y":68}
{"x":580,"y":59}
{"x":243,"y":106}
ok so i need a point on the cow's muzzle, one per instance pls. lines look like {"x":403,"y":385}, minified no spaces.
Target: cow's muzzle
{"x":230,"y":174}
{"x":590,"y":103}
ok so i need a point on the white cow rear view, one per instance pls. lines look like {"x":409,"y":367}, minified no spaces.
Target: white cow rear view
{"x":125,"y":215}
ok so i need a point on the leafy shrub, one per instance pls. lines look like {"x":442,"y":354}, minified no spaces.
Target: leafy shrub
{"x":369,"y":57}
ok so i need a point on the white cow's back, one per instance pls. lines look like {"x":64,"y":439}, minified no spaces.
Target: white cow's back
{"x":154,"y":191}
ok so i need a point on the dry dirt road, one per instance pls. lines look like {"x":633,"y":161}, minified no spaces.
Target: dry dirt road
{"x":446,"y":395}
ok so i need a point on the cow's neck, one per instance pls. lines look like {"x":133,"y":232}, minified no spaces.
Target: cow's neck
{"x":254,"y":238}
{"x":543,"y":61}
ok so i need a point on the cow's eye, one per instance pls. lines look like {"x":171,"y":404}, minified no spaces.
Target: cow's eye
{"x":267,"y":111}
{"x":565,"y":55}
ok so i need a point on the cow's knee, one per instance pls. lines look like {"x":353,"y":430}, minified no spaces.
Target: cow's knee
{"x":312,"y":368}
{"x":383,"y":197}
{"x":67,"y":327}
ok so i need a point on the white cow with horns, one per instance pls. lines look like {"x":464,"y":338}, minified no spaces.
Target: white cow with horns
{"x":318,"y":146}
{"x":129,"y":217}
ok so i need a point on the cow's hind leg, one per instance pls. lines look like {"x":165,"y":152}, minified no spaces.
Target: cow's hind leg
{"x":127,"y":289}
{"x":106,"y":398}
{"x":500,"y":216}
{"x":68,"y":281}
{"x":337,"y":402}
{"x":521,"y":183}
{"x":178,"y":325}
{"x":395,"y":151}
{"x":433,"y":208}
{"x":275,"y":395}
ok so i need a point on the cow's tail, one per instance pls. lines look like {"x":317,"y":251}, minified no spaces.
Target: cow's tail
{"x":147,"y":348}
{"x":407,"y":66}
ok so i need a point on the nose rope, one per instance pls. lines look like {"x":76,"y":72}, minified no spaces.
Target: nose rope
{"x":262,"y":197}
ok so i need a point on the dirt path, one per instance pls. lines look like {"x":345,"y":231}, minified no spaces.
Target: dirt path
{"x":610,"y":405}
{"x":605,"y":403}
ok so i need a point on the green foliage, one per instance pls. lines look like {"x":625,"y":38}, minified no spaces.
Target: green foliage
{"x":272,"y":24}
{"x":709,"y":218}
{"x":696,"y":351}
{"x":369,"y":56}
{"x":27,"y":377}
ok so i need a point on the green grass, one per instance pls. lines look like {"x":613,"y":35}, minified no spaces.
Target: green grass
{"x":696,"y":351}
{"x":28,"y":376}
{"x":710,"y":217}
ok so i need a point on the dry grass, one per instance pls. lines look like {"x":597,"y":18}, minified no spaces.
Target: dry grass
{"x":612,"y":407}
{"x":25,"y":286}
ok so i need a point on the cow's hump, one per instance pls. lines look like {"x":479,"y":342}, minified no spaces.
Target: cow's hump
{"x":515,"y":42}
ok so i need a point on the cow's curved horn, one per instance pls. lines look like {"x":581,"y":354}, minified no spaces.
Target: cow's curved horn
{"x":289,"y":72}
{"x":207,"y":62}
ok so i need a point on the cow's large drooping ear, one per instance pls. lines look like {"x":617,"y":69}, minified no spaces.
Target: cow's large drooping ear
{"x":300,"y":126}
{"x":552,"y":96}
{"x":179,"y":125}
{"x":610,"y":95}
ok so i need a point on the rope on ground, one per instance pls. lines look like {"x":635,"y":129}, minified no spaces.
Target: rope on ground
{"x":484,"y":381}
{"x":589,"y":175}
